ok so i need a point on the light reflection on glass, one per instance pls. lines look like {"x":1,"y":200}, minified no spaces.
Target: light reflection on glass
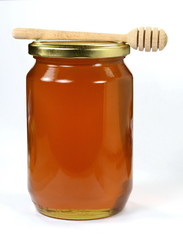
{"x":97,"y":64}
{"x":63,"y":81}
{"x":109,"y":72}
{"x":46,"y":79}
{"x":99,"y":82}
{"x":49,"y":75}
{"x":66,"y":66}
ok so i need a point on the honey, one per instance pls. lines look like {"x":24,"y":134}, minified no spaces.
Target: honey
{"x":79,"y":119}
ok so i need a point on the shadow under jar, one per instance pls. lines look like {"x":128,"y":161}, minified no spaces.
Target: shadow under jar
{"x":79,"y":118}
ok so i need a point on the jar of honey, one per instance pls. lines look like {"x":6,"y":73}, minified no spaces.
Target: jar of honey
{"x":79,"y":118}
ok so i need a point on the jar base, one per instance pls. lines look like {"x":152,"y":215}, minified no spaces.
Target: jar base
{"x":77,"y":214}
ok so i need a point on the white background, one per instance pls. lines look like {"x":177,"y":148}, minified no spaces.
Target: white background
{"x":155,"y":207}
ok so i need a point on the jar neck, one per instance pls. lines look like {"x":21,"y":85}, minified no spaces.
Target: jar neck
{"x":79,"y":61}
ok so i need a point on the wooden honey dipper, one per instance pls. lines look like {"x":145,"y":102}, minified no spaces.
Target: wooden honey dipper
{"x":142,"y":38}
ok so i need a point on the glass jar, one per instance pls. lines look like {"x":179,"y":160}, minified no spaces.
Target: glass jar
{"x":79,"y":118}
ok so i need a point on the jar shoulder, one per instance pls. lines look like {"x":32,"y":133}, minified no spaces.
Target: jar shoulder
{"x":53,"y":72}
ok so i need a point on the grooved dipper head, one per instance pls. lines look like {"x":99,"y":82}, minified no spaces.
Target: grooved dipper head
{"x":147,"y":38}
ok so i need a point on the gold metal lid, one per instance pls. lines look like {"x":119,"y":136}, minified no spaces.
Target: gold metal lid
{"x":78,"y":49}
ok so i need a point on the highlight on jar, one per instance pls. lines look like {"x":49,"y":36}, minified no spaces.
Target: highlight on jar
{"x":80,"y":120}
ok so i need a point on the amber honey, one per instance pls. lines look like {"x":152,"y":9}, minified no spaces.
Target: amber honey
{"x":79,"y":118}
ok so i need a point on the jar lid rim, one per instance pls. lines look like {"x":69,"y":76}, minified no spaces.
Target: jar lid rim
{"x":78,"y":49}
